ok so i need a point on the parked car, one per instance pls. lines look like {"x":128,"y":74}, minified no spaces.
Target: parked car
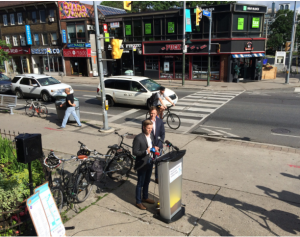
{"x":132,"y":90}
{"x":38,"y":86}
{"x":5,"y":82}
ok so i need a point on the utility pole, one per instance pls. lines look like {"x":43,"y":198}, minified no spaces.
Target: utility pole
{"x":291,"y":49}
{"x":266,"y":36}
{"x":183,"y":45}
{"x":100,"y":69}
{"x":209,"y":48}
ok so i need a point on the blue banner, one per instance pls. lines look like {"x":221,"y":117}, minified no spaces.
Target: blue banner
{"x":188,"y":25}
{"x":64,"y":36}
{"x":79,"y":45}
{"x":28,"y":34}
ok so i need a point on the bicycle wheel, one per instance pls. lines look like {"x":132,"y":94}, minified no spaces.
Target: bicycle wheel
{"x":69,"y":187}
{"x":111,"y":152}
{"x":43,"y":111}
{"x":84,"y":186}
{"x":29,"y":109}
{"x":173,"y":121}
{"x":119,"y":166}
{"x":147,"y":115}
{"x":58,"y":197}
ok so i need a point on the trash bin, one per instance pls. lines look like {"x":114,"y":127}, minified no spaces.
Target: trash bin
{"x":129,"y":73}
{"x":170,"y":186}
{"x":61,"y":110}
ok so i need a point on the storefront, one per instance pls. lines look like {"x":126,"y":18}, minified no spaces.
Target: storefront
{"x":47,"y":60}
{"x":19,"y":62}
{"x":78,"y":61}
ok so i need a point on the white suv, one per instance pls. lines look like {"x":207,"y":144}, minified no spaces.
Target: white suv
{"x":132,"y":90}
{"x":40,"y":86}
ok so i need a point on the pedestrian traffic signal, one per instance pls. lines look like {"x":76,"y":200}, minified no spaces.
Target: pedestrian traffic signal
{"x":218,"y":48}
{"x":127,"y":5}
{"x":116,"y":52}
{"x":198,"y":15}
{"x":287,"y":46}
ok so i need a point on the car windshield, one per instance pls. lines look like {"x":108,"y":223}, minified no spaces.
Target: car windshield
{"x":4,"y":78}
{"x":47,"y":81}
{"x":150,"y":84}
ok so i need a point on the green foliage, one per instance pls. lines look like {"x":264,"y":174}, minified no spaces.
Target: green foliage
{"x":160,"y":5}
{"x":4,"y":55}
{"x":14,"y":176}
{"x":282,"y":29}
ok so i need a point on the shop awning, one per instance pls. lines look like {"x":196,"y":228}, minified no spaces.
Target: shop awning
{"x":250,"y":55}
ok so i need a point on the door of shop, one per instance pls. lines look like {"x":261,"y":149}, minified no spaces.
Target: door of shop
{"x":171,"y":67}
{"x":79,"y":67}
{"x":246,"y":68}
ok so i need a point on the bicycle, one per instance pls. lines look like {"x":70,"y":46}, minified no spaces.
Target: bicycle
{"x":115,"y":166}
{"x":36,"y":106}
{"x":173,"y":120}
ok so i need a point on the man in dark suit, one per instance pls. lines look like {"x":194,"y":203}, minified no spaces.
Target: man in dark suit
{"x":158,"y":131}
{"x":142,"y":144}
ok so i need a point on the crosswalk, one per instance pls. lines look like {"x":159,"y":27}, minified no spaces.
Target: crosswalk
{"x":193,"y":109}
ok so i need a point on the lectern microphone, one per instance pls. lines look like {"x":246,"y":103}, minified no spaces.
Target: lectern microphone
{"x":169,"y":144}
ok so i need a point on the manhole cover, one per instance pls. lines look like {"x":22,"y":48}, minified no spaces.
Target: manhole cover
{"x":280,"y":130}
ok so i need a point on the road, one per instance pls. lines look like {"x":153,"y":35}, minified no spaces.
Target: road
{"x":270,"y":116}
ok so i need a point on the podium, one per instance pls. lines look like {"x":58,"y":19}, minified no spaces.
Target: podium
{"x":170,"y":186}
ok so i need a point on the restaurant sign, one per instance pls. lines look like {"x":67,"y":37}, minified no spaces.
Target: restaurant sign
{"x":45,"y":51}
{"x":79,"y":45}
{"x":17,"y":50}
{"x":80,"y":53}
{"x":248,"y":46}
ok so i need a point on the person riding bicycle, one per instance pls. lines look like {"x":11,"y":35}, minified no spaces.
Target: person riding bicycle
{"x":158,"y":102}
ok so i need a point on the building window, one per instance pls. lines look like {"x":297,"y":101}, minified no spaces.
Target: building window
{"x":71,"y":34}
{"x":33,"y":16}
{"x":80,"y":32}
{"x":36,"y":39}
{"x":23,"y":41}
{"x":137,"y":30}
{"x":12,"y":19}
{"x":15,"y":40}
{"x":51,"y":13}
{"x":45,"y":38}
{"x":42,"y":16}
{"x":200,"y":65}
{"x":7,"y":39}
{"x":54,"y":38}
{"x":20,"y":18}
{"x":151,"y":63}
{"x":5,"y":20}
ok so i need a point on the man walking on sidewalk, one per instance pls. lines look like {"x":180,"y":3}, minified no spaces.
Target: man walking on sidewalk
{"x":70,"y":109}
{"x":142,"y":144}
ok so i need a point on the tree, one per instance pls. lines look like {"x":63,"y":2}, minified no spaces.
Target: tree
{"x":282,"y":30}
{"x":3,"y":54}
{"x":144,"y":6}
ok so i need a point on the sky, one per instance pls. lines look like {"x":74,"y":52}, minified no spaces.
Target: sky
{"x":268,"y":3}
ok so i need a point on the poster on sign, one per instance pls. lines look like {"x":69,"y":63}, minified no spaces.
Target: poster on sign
{"x":166,"y":66}
{"x":105,"y":28}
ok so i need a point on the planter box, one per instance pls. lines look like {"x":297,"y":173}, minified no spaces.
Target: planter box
{"x":269,"y":73}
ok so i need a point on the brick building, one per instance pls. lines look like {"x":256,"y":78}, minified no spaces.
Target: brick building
{"x":33,"y":30}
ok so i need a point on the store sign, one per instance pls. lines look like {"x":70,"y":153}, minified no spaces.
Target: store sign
{"x":243,"y":8}
{"x":64,"y":36}
{"x":172,"y":47}
{"x":197,"y":47}
{"x":171,"y":27}
{"x":105,"y":28}
{"x":240,"y":25}
{"x":188,"y":25}
{"x":248,"y":46}
{"x":79,"y":45}
{"x":80,"y":53}
{"x":107,"y":39}
{"x":68,"y":10}
{"x":127,"y":29}
{"x":114,"y":24}
{"x":45,"y":51}
{"x":17,"y":50}
{"x":28,"y":34}
{"x":255,"y":22}
{"x":148,"y":29}
{"x":128,"y":46}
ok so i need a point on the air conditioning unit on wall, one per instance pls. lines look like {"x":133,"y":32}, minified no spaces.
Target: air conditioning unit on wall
{"x":90,"y":27}
{"x":51,"y":19}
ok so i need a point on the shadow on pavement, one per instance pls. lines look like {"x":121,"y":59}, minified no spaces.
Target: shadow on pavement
{"x":286,"y":221}
{"x":291,"y":176}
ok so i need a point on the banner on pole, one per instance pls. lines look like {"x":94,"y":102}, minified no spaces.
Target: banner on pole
{"x":188,"y":25}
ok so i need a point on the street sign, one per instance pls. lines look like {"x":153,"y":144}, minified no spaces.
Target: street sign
{"x":206,"y":13}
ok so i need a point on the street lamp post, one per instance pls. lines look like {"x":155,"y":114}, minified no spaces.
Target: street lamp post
{"x":183,"y":45}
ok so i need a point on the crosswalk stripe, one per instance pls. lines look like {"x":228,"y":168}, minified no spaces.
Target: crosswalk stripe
{"x":221,"y":96}
{"x":205,"y":105}
{"x":216,"y":93}
{"x":116,"y":117}
{"x":230,"y":134}
{"x":211,"y":101}
{"x":211,"y":131}
{"x":197,"y":115}
{"x":200,"y":109}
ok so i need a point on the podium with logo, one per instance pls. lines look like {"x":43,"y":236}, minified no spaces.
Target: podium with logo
{"x":170,"y":186}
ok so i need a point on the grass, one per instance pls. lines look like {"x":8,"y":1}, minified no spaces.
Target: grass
{"x":83,"y":121}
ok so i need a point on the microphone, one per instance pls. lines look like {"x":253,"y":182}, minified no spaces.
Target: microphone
{"x":161,"y":140}
{"x":169,"y":144}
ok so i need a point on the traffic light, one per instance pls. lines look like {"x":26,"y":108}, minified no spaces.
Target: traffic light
{"x":127,"y":5}
{"x":218,"y":48}
{"x":198,"y":16}
{"x":116,"y":52}
{"x":287,"y":45}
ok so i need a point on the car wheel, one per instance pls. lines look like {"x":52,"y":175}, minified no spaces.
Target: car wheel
{"x":46,"y":97}
{"x":110,"y":100}
{"x":19,"y":94}
{"x":148,"y":104}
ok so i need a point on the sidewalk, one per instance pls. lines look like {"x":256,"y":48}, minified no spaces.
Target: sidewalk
{"x":277,"y":83}
{"x":229,"y":187}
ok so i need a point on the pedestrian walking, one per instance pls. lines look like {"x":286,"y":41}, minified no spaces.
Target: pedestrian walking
{"x":158,"y":130}
{"x":142,"y":144}
{"x":70,"y":109}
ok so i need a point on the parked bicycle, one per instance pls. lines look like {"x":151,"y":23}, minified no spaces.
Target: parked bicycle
{"x":115,"y":166}
{"x":173,"y":120}
{"x":36,"y":106}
